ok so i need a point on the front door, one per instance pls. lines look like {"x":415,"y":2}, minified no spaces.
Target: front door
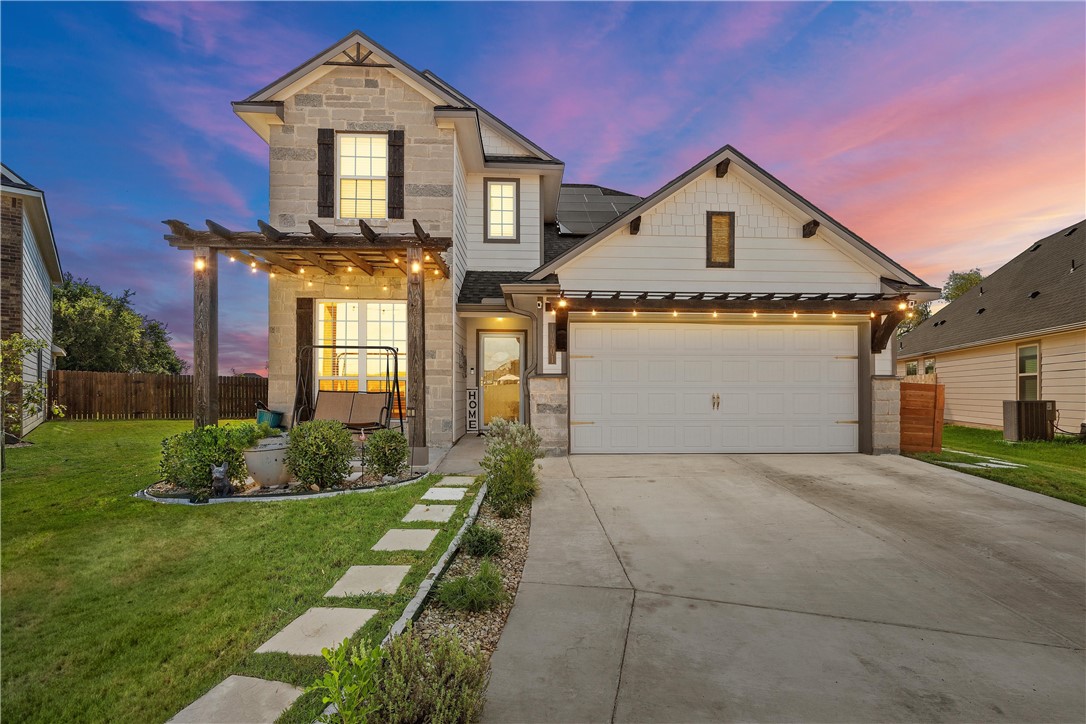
{"x":501,"y":364}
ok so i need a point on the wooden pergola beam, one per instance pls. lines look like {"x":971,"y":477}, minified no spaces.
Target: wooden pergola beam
{"x":356,"y":260}
{"x":882,"y":328}
{"x":397,"y":261}
{"x":735,"y":306}
{"x":258,"y":242}
{"x":252,"y":262}
{"x":277,"y":259}
{"x":316,"y":260}
{"x":435,"y":257}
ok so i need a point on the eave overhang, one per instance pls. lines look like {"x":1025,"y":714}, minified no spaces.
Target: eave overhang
{"x":37,"y":212}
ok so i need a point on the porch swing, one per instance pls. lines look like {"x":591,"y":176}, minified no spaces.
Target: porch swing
{"x":361,"y":411}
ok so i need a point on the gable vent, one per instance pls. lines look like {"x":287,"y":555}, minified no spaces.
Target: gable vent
{"x":980,"y":311}
{"x":1072,"y":231}
{"x":1034,"y":295}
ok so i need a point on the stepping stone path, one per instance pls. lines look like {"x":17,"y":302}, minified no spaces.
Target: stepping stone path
{"x":241,"y":699}
{"x":364,"y":580}
{"x":406,"y":539}
{"x":316,"y":629}
{"x":456,"y":481}
{"x":430,"y":513}
{"x":245,"y":699}
{"x":444,"y":494}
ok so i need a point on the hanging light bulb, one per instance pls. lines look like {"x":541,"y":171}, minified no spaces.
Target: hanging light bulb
{"x":437,"y":272}
{"x":562,"y":302}
{"x":834,"y":315}
{"x":350,"y":269}
{"x":714,"y":315}
{"x":271,"y":274}
{"x":301,"y":270}
{"x":427,"y":257}
{"x":232,"y":259}
{"x":674,"y":314}
{"x":795,"y":314}
{"x":395,"y":260}
{"x":593,"y":312}
{"x":872,"y":315}
{"x":902,"y":306}
{"x":755,"y":314}
{"x":635,"y":312}
{"x":252,"y":264}
{"x":310,"y":283}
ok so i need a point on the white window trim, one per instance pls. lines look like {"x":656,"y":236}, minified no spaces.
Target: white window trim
{"x":1018,"y":374}
{"x":340,"y":176}
{"x":515,"y":238}
{"x":362,"y":377}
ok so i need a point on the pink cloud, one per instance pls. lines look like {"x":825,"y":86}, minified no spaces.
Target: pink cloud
{"x":199,"y":178}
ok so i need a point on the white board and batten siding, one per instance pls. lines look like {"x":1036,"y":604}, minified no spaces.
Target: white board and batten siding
{"x":505,"y":256}
{"x":685,"y":388}
{"x":668,"y":254}
{"x":37,"y":315}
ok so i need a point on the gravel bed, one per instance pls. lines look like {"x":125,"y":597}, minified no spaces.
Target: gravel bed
{"x":483,"y":628}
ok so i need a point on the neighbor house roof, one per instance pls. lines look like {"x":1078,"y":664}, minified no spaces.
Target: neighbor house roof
{"x":1041,"y":290}
{"x":37,"y":213}
{"x":730,"y":155}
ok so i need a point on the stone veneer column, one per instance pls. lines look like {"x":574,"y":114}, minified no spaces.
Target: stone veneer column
{"x":885,"y":415}
{"x":548,"y":400}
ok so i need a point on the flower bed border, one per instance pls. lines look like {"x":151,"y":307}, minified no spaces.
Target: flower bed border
{"x":144,"y":495}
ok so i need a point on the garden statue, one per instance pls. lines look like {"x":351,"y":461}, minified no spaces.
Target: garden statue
{"x":220,"y":484}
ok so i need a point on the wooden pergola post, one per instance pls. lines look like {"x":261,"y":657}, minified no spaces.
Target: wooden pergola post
{"x":416,"y":352}
{"x":205,"y":336}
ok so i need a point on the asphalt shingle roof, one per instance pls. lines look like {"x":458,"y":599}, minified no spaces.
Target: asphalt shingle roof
{"x":480,"y":285}
{"x":1035,"y":291}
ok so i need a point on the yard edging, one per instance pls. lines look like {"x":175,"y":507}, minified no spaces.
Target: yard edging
{"x":144,"y":495}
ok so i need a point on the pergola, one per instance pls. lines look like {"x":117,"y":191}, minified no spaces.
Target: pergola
{"x":318,"y":252}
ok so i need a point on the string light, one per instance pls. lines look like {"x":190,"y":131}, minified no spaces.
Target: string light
{"x":232,"y":259}
{"x":301,"y":270}
{"x":350,"y":269}
{"x":674,"y":314}
{"x":253,"y":269}
{"x":310,"y":283}
{"x":427,"y":257}
{"x":714,"y":315}
{"x":872,"y":315}
{"x":593,"y":312}
{"x":384,"y":288}
{"x":562,"y":302}
{"x":346,"y":287}
{"x":635,"y":312}
{"x":754,"y":315}
{"x":909,"y":315}
{"x":436,"y":272}
{"x":395,"y":260}
{"x":902,"y":306}
{"x":271,"y":274}
{"x":834,"y":315}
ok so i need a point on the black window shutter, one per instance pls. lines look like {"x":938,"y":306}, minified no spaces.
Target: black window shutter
{"x":326,"y":172}
{"x":304,"y":396}
{"x":395,"y":174}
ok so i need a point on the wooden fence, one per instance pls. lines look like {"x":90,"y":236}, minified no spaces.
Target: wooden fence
{"x":123,"y":396}
{"x":921,"y":417}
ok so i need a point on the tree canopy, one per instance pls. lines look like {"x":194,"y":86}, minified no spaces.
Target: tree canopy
{"x":102,"y":332}
{"x":958,"y":283}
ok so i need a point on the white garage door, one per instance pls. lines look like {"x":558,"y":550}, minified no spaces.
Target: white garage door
{"x":659,"y":387}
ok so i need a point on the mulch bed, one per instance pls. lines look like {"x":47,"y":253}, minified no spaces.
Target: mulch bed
{"x":483,"y":628}
{"x":356,"y":481}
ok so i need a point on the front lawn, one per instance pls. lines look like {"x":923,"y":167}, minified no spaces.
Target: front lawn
{"x":118,"y":609}
{"x":1055,"y":468}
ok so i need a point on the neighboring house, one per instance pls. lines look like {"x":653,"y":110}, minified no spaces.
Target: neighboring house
{"x":723,"y":313}
{"x":29,"y":267}
{"x":1019,"y":335}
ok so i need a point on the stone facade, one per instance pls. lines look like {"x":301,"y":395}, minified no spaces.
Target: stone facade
{"x":548,"y":400}
{"x":283,"y":291}
{"x":362,"y":100}
{"x":885,"y":415}
{"x":11,"y":266}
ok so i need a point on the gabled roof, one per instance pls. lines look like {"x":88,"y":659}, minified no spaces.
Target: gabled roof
{"x":266,"y":100}
{"x":889,"y":267}
{"x":37,"y":213}
{"x":1035,"y":292}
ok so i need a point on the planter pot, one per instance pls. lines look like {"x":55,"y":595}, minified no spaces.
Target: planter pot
{"x":267,"y":462}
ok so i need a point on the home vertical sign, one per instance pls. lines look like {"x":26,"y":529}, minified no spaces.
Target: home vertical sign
{"x":473,"y":409}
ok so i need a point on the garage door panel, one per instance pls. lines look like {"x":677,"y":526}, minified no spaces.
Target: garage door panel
{"x":648,"y":387}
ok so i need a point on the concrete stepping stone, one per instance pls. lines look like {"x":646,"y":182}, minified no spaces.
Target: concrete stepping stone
{"x":363,"y":580}
{"x":444,"y":494}
{"x":456,"y":481}
{"x":406,"y":539}
{"x":967,"y":466}
{"x":430,"y":513}
{"x":241,"y":699}
{"x":316,"y":629}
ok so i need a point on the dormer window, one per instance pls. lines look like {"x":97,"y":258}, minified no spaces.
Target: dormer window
{"x":362,"y":175}
{"x":720,"y":239}
{"x":501,"y":209}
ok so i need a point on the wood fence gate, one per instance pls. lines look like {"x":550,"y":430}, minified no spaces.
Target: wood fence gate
{"x":125,"y":396}
{"x":921,"y":417}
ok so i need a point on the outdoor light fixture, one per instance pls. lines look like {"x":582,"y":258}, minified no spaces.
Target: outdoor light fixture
{"x":674,"y":314}
{"x":902,"y":306}
{"x":200,"y":263}
{"x":436,"y":272}
{"x":795,"y":314}
{"x":593,"y":312}
{"x":271,"y":274}
{"x":872,"y":315}
{"x":635,"y":312}
{"x":301,"y":270}
{"x":834,"y":315}
{"x":714,"y":314}
{"x":350,"y":269}
{"x":754,"y":315}
{"x":562,"y":302}
{"x":415,"y":266}
{"x":233,"y":259}
{"x":427,"y":257}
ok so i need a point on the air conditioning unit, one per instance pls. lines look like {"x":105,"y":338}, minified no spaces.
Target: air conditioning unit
{"x":1028,"y":419}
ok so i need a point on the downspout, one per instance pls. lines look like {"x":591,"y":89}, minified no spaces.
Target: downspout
{"x":533,"y":338}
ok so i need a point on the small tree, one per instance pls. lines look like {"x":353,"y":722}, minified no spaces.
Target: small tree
{"x":920,"y":313}
{"x":958,"y":283}
{"x":20,"y":398}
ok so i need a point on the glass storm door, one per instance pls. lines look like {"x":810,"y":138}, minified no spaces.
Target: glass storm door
{"x":501,"y":357}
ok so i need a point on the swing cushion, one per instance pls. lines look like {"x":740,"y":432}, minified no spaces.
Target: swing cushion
{"x":356,"y":410}
{"x":334,"y":405}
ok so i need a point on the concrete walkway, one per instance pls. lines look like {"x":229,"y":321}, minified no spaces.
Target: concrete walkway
{"x":792,"y":588}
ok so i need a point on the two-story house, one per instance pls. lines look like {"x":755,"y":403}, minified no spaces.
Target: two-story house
{"x":29,"y":268}
{"x":722,"y":313}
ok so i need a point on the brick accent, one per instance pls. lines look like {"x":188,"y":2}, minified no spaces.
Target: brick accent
{"x":11,"y":266}
{"x":885,"y":415}
{"x":548,"y":400}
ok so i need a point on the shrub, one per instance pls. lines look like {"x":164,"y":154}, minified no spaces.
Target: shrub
{"x":320,"y":453}
{"x":503,"y":433}
{"x":350,"y":682}
{"x":386,"y":453}
{"x":445,"y":686}
{"x":480,"y":592}
{"x":481,"y":542}
{"x":510,"y":479}
{"x":188,"y":456}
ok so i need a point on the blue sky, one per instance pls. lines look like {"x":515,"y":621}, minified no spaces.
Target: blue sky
{"x":949,"y":135}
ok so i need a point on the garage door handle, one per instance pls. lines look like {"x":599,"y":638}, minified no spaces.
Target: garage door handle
{"x":716,"y":401}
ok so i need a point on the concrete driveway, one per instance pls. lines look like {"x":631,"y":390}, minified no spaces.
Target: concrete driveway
{"x":792,"y":588}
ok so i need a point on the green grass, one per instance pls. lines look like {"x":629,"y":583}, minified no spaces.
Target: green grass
{"x":118,"y":609}
{"x":1055,"y":468}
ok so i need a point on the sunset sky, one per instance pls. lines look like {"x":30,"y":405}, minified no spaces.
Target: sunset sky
{"x":948,"y":135}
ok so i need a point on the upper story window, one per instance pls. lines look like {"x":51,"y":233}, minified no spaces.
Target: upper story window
{"x":362,"y":175}
{"x":501,"y":209}
{"x":720,"y":239}
{"x":911,"y":368}
{"x":1029,"y":367}
{"x":929,"y":366}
